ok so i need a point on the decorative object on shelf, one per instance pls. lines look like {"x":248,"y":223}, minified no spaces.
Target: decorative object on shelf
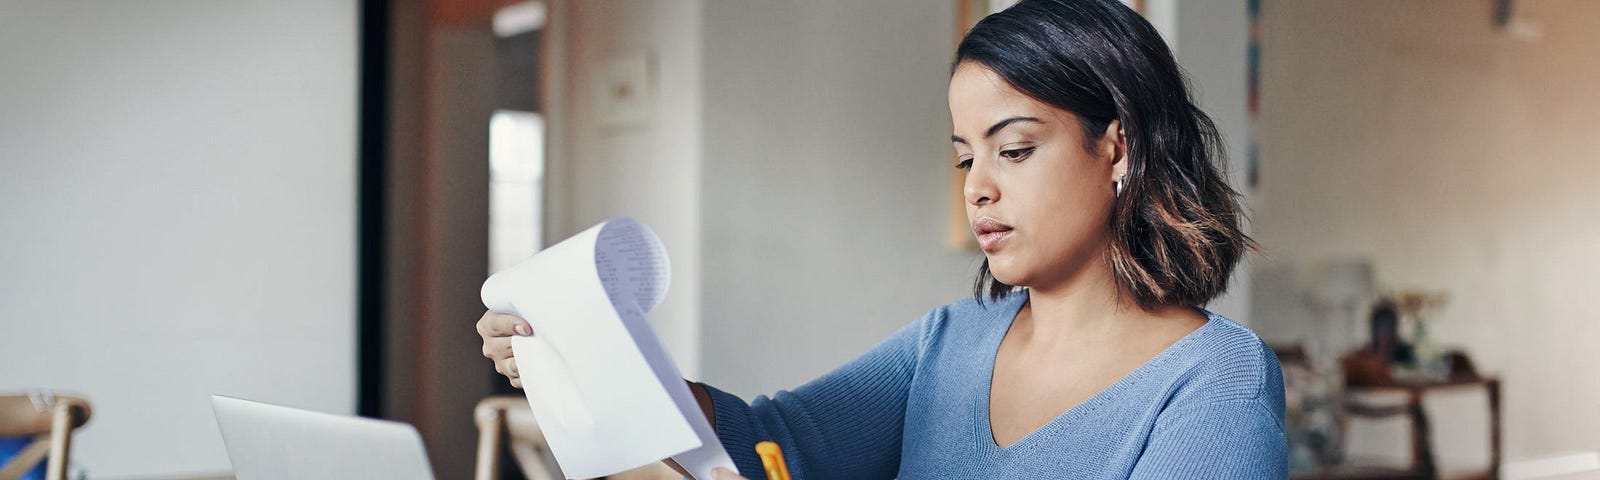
{"x":1337,"y":291}
{"x":1417,"y":307}
{"x":1385,"y":339}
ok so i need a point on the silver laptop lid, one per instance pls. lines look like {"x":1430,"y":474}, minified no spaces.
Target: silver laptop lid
{"x":270,"y":442}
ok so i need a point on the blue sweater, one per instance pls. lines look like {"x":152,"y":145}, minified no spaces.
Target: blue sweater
{"x":917,"y":406}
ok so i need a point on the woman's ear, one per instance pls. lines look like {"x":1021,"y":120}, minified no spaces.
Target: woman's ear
{"x":1114,"y":143}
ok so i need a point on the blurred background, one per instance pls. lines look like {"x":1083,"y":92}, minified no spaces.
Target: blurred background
{"x":296,"y":201}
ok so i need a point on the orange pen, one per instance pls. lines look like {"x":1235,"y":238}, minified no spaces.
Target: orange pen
{"x":772,"y":461}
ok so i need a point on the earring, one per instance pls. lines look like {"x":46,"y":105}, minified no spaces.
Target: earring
{"x":1119,"y":184}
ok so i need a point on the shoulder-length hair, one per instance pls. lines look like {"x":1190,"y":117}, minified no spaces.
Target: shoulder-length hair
{"x":1176,"y":225}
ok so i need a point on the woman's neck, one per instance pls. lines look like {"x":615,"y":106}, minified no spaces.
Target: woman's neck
{"x":1084,"y":306}
{"x":1088,"y":307}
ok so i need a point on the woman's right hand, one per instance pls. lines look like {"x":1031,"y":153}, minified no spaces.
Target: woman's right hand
{"x":496,"y":330}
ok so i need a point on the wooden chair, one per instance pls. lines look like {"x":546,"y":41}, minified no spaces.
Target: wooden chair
{"x":50,"y":419}
{"x":1413,"y":405}
{"x":1372,"y":398}
{"x":505,"y":417}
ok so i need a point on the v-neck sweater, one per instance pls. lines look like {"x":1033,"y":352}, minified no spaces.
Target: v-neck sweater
{"x":917,"y":406}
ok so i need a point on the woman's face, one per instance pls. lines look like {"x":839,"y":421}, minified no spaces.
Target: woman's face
{"x":1038,"y":201}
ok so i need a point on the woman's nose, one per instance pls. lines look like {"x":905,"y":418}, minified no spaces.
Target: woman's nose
{"x":979,"y":188}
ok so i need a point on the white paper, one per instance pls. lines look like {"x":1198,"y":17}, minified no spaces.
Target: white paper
{"x":607,"y":396}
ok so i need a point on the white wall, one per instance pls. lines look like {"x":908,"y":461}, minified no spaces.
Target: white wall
{"x":648,"y":171}
{"x":179,"y":215}
{"x":1210,"y":38}
{"x":1458,"y":158}
{"x":744,"y":184}
{"x":825,"y":184}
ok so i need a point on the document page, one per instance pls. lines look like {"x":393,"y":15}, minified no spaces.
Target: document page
{"x":607,"y":396}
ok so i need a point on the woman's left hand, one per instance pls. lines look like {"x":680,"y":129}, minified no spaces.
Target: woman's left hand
{"x":725,"y":474}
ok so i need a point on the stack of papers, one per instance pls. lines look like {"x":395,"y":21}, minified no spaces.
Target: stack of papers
{"x":606,"y":395}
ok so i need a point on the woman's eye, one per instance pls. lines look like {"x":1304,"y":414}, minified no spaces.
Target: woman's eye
{"x":964,"y":164}
{"x":1016,"y":154}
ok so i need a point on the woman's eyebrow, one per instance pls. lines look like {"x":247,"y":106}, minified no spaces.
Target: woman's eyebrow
{"x":993,"y":129}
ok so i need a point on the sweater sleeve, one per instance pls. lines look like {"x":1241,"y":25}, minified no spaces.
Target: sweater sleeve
{"x":845,"y":425}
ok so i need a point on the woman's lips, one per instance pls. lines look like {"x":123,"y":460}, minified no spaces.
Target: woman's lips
{"x":990,"y":233}
{"x":991,"y":241}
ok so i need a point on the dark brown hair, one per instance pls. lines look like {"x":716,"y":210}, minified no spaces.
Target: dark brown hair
{"x":1176,"y":226}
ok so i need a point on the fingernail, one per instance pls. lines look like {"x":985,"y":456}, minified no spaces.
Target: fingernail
{"x":720,"y":473}
{"x":522,"y":329}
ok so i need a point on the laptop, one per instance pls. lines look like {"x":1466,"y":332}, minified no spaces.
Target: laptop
{"x":270,"y":442}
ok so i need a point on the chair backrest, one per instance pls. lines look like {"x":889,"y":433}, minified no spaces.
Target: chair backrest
{"x":1449,"y":430}
{"x":49,"y":418}
{"x":507,"y":417}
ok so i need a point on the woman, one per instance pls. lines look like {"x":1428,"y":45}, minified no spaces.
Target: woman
{"x":1093,"y":189}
